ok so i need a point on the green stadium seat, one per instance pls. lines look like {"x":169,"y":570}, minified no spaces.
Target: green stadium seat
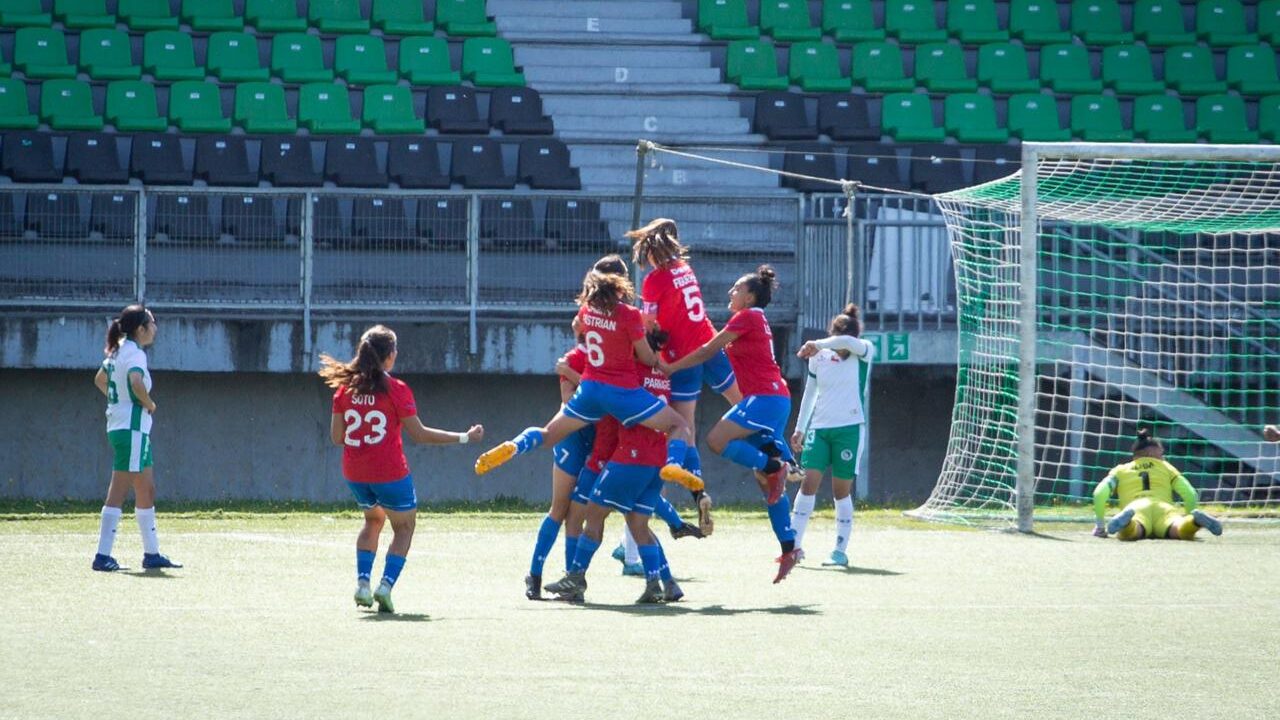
{"x":815,"y":67}
{"x":15,"y":111}
{"x":24,"y":13}
{"x":912,"y":21}
{"x":68,"y":105}
{"x":1158,"y":118}
{"x":1098,"y":22}
{"x":388,"y":109}
{"x":107,"y":55}
{"x":425,"y":61}
{"x":721,"y":19}
{"x":233,"y":57}
{"x":41,"y":53}
{"x":970,"y":117}
{"x":464,"y":17}
{"x":1268,"y":117}
{"x":146,"y":15}
{"x":908,"y":117}
{"x":337,"y":16}
{"x":83,"y":13}
{"x":1269,"y":21}
{"x":974,"y":21}
{"x":488,"y":62}
{"x":1032,"y":116}
{"x":168,"y":55}
{"x":397,"y":17}
{"x":787,"y":20}
{"x":877,"y":67}
{"x":1189,"y":70}
{"x":1158,"y":23}
{"x":211,"y":15}
{"x":5,"y":67}
{"x":1096,"y":118}
{"x":753,"y":65}
{"x":850,"y":21}
{"x":196,"y":106}
{"x":362,"y":60}
{"x":297,"y":58}
{"x":1065,"y":68}
{"x":260,"y":108}
{"x":274,"y":16}
{"x":325,"y":109}
{"x":1221,"y":119}
{"x":1002,"y":67}
{"x":940,"y":68}
{"x":1036,"y":22}
{"x":1251,"y":69}
{"x":131,"y":107}
{"x":1221,"y":22}
{"x":1127,"y":70}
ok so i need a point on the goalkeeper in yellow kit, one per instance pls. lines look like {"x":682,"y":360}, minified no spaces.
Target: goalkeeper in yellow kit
{"x":1145,"y":488}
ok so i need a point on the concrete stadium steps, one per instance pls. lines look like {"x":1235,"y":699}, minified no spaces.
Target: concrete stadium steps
{"x":614,"y":165}
{"x":576,"y":56}
{"x":638,"y":9}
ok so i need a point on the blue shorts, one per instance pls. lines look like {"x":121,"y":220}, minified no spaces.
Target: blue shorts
{"x":631,"y":406}
{"x":586,"y":483}
{"x":629,"y":488}
{"x":398,"y":495}
{"x":572,"y":452}
{"x":767,"y":415}
{"x":717,"y":373}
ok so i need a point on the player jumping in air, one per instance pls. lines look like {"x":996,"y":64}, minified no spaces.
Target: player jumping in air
{"x":1145,"y":487}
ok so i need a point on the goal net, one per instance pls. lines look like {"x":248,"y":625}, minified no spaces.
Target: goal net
{"x":1106,"y":288}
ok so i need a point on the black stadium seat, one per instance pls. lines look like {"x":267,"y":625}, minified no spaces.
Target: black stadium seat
{"x":8,"y":220}
{"x":328,"y":222}
{"x":453,"y":109}
{"x":353,"y":162}
{"x":287,"y":162}
{"x":28,"y":157}
{"x":991,"y":162}
{"x":845,"y":117}
{"x":93,"y":158}
{"x":249,"y":218}
{"x":543,"y":164}
{"x":157,"y":160}
{"x":414,"y":163}
{"x":375,"y":220}
{"x":877,"y":165}
{"x":781,"y":116}
{"x":477,"y":164}
{"x":442,"y":222}
{"x":518,"y":111}
{"x":223,"y":160}
{"x":573,"y":223}
{"x":507,"y":223}
{"x":813,"y":160}
{"x":55,"y":215}
{"x":937,"y":168}
{"x":115,"y":215}
{"x":183,"y":216}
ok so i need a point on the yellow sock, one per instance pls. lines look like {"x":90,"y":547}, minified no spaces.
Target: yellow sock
{"x":1187,"y":528}
{"x":1133,"y":531}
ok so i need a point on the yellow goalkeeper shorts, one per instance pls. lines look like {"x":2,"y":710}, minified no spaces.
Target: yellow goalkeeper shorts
{"x":1156,"y":516}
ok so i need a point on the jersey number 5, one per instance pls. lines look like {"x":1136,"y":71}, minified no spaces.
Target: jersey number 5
{"x":377,"y":427}
{"x":693,"y":303}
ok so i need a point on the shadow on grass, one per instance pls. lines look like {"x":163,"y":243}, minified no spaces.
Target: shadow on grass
{"x":395,"y":617}
{"x":709,"y":610}
{"x":851,"y":570}
{"x":1044,"y":536}
{"x":156,"y":574}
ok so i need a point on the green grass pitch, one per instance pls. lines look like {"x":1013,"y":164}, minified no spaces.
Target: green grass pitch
{"x":933,"y":622}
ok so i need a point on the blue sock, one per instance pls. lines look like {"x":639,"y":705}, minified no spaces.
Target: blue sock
{"x":529,"y":439}
{"x":570,"y":549}
{"x":364,"y":563}
{"x":742,"y":453}
{"x":693,"y":461}
{"x":667,"y":512}
{"x":664,"y":571}
{"x":780,"y":519}
{"x":391,"y":571}
{"x":676,"y":451}
{"x":651,"y":558}
{"x":546,"y":538}
{"x":586,"y":550}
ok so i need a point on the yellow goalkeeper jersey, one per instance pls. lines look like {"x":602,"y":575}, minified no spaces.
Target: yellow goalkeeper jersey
{"x":1145,"y":477}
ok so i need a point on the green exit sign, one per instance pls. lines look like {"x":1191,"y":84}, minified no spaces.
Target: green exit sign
{"x":890,"y":347}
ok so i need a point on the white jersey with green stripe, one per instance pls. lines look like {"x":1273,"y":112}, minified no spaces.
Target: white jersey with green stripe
{"x":123,"y":410}
{"x":835,"y":392}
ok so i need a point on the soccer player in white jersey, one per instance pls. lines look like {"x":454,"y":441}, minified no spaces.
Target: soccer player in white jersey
{"x":832,"y":426}
{"x":126,"y":382}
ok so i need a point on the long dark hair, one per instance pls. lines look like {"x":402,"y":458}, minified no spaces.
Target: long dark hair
{"x":761,"y":284}
{"x":848,"y":322}
{"x":611,"y":265}
{"x":125,"y":325}
{"x":605,"y":291}
{"x":364,"y":373}
{"x":1146,"y":441}
{"x":660,"y":239}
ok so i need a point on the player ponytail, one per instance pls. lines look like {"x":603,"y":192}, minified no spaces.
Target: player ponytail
{"x":848,"y":322}
{"x":761,"y":285}
{"x":364,"y":373}
{"x":605,"y":291}
{"x":658,"y":240}
{"x":611,"y":265}
{"x":124,"y":326}
{"x":1145,"y":441}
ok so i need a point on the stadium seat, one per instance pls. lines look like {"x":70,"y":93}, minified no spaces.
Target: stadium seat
{"x":1189,"y":70}
{"x":83,"y":13}
{"x":1221,"y":22}
{"x":477,"y":164}
{"x":850,"y":21}
{"x":68,"y":105}
{"x":233,"y":57}
{"x":131,"y":106}
{"x":28,"y":157}
{"x":183,"y":217}
{"x":912,"y":22}
{"x":211,"y":15}
{"x":1269,"y":117}
{"x":1158,"y":23}
{"x":329,"y":224}
{"x":379,"y":220}
{"x":425,"y":61}
{"x":781,"y":116}
{"x":1127,"y":70}
{"x":909,"y":118}
{"x":1065,"y":68}
{"x":1269,"y":21}
{"x":543,"y":164}
{"x":353,"y":162}
{"x":814,"y":160}
{"x":107,"y":55}
{"x":787,"y":20}
{"x":725,"y":20}
{"x":1251,"y":69}
{"x":53,"y":215}
{"x":297,"y":58}
{"x":1221,"y":119}
{"x":518,"y":111}
{"x":1036,"y":22}
{"x":336,"y":16}
{"x":250,"y":218}
{"x":815,"y":67}
{"x":414,"y":163}
{"x":388,"y":109}
{"x":454,"y":110}
{"x":41,"y":53}
{"x":940,"y":68}
{"x":1098,"y":22}
{"x":197,"y":107}
{"x":223,"y":161}
{"x":5,"y":68}
{"x":93,"y":158}
{"x":114,"y":215}
{"x":1002,"y":68}
{"x":970,"y":117}
{"x":442,"y":222}
{"x":507,"y":223}
{"x":753,"y":65}
{"x":260,"y":108}
{"x":287,"y":162}
{"x":362,"y":60}
{"x":974,"y":21}
{"x":1158,"y":118}
{"x":24,"y":13}
{"x":15,"y":109}
{"x":1034,"y":117}
{"x":396,"y":17}
{"x":157,"y":160}
{"x":937,"y":168}
{"x":168,"y":55}
{"x":144,"y":15}
{"x":488,"y":62}
{"x":274,"y":16}
{"x":877,"y":68}
{"x":1096,"y":118}
{"x":576,"y":224}
{"x":464,"y":17}
{"x":993,"y":162}
{"x":325,"y":109}
{"x":8,"y":219}
{"x":846,"y":117}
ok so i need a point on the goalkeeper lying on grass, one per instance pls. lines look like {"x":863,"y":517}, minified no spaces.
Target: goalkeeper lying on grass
{"x":1145,"y":488}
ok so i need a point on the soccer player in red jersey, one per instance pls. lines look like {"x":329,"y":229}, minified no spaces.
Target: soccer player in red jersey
{"x":370,"y":408}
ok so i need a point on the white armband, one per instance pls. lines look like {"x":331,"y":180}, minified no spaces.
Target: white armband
{"x":463,"y":438}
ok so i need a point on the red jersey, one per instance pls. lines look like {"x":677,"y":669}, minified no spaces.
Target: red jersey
{"x":372,"y":451}
{"x":605,"y":443}
{"x":751,"y":355}
{"x":671,"y":294}
{"x":610,"y":345}
{"x":576,"y":359}
{"x":639,"y":445}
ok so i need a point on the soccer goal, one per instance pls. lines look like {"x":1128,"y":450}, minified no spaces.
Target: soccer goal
{"x":1102,"y":288}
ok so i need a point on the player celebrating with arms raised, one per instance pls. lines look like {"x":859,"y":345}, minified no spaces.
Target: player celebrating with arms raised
{"x":1145,"y":487}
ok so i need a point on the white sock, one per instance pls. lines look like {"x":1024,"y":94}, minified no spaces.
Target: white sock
{"x":629,"y":545}
{"x":107,"y":529}
{"x":844,"y":522}
{"x":147,"y":526}
{"x":800,"y":512}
